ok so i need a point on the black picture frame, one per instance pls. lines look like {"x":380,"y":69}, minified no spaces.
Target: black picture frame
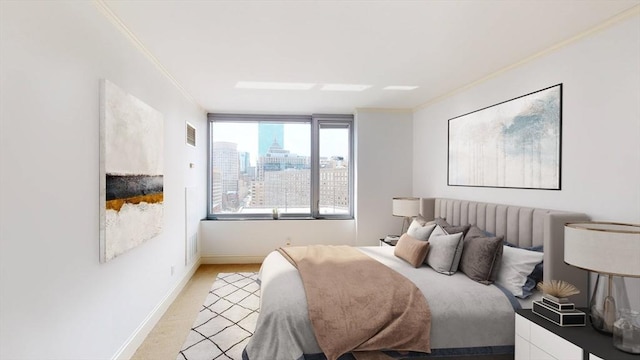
{"x":514,"y":144}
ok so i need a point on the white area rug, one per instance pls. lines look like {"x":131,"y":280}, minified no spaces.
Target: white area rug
{"x":227,"y":319}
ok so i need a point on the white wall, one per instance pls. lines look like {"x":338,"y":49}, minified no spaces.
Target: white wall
{"x":384,"y":156}
{"x":600,"y":124}
{"x":250,"y":241}
{"x":57,"y":301}
{"x":383,"y":160}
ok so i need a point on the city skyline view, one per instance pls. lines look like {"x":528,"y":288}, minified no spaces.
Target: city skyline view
{"x":255,"y":171}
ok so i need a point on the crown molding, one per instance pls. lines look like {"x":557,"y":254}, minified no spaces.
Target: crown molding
{"x":634,"y":11}
{"x":115,"y":20}
{"x":384,"y":110}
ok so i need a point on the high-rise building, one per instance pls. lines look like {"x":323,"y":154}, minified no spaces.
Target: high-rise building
{"x":216,"y":191}
{"x":224,"y":161}
{"x":245,"y":162}
{"x":282,"y":179}
{"x":267,"y":135}
{"x":279,"y":159}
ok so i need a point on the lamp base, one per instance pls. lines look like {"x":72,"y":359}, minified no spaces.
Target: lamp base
{"x":609,"y":295}
{"x":602,"y":319}
{"x":626,"y":331}
{"x":406,"y":222}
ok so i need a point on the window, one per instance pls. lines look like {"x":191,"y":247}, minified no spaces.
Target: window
{"x":300,"y":165}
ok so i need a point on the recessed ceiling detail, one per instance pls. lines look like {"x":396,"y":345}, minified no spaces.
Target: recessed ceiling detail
{"x":344,"y":87}
{"x":261,"y":85}
{"x":400,"y":87}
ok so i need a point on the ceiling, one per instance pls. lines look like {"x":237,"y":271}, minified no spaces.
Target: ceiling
{"x":440,"y":46}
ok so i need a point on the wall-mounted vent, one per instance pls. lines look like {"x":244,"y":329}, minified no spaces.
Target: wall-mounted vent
{"x":191,"y":135}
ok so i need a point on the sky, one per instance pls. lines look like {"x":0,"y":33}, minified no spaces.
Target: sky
{"x":333,"y":142}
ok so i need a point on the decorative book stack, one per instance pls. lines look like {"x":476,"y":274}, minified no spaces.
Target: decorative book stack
{"x":559,"y":311}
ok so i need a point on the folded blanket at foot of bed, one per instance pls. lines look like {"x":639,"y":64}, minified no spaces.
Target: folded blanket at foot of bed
{"x":355,"y":303}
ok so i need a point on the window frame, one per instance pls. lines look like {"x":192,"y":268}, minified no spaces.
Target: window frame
{"x":316,"y":122}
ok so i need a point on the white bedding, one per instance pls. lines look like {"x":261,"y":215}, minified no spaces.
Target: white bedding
{"x":528,"y":302}
{"x":465,"y":314}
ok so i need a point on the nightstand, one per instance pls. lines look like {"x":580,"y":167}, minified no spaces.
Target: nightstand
{"x":384,"y":242}
{"x":538,"y":338}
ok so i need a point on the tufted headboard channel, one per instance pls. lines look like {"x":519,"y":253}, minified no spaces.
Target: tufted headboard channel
{"x":521,"y":226}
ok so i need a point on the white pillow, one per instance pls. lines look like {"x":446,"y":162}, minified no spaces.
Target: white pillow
{"x":420,"y":232}
{"x":444,"y":251}
{"x":516,"y":265}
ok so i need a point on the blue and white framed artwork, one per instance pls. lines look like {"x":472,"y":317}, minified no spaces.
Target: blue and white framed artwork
{"x":512,"y":144}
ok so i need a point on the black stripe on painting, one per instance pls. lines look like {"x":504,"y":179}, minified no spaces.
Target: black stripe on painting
{"x":126,"y":186}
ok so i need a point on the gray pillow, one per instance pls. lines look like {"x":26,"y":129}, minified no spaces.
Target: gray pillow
{"x":411,"y":250}
{"x":450,"y":229}
{"x":481,"y":258}
{"x":420,"y":231}
{"x":474,"y":232}
{"x":445,"y":251}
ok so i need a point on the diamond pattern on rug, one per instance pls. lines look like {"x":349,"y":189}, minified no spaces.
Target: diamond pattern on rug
{"x":227,"y":319}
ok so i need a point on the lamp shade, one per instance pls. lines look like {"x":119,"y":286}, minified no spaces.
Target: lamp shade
{"x":406,"y":206}
{"x":603,"y":247}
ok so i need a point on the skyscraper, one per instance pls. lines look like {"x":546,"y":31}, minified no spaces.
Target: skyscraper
{"x":267,"y":133}
{"x":245,"y":161}
{"x":224,"y":164}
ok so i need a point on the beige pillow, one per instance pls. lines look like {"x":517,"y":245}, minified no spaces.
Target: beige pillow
{"x":411,"y":250}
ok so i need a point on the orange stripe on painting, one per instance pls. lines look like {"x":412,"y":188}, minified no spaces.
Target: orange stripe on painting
{"x":117,"y":204}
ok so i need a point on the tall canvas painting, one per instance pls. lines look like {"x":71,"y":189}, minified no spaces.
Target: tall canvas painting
{"x":131,"y":171}
{"x":513,"y":144}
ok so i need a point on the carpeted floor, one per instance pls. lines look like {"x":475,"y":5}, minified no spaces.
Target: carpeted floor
{"x":167,"y":337}
{"x":227,"y":319}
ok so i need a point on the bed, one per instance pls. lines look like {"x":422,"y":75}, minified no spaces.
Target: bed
{"x":467,"y":318}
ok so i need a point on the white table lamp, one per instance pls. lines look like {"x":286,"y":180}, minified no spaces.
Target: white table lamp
{"x":407,"y":207}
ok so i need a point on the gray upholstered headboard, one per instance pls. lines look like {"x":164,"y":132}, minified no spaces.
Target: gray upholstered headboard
{"x":522,"y":226}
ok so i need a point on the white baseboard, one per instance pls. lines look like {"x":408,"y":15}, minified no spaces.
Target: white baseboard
{"x":231,"y":259}
{"x":137,"y":338}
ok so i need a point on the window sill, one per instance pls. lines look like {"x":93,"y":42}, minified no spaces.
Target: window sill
{"x":287,"y":218}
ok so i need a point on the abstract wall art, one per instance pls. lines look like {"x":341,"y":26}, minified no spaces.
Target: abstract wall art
{"x":131,"y":171}
{"x":513,"y":144}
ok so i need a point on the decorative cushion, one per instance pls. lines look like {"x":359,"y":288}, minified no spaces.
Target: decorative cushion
{"x":450,"y":229}
{"x":481,"y":258}
{"x":441,"y":222}
{"x":515,"y":266}
{"x":445,"y":251}
{"x":475,"y":232}
{"x":536,"y":274}
{"x":411,"y":250}
{"x":420,"y":231}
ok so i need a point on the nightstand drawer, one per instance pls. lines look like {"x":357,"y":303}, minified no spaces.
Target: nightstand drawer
{"x":539,"y":354}
{"x":552,"y":344}
{"x":522,"y":327}
{"x":522,"y":349}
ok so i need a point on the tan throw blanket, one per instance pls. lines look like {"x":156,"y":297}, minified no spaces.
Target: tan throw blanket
{"x":358,"y":304}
